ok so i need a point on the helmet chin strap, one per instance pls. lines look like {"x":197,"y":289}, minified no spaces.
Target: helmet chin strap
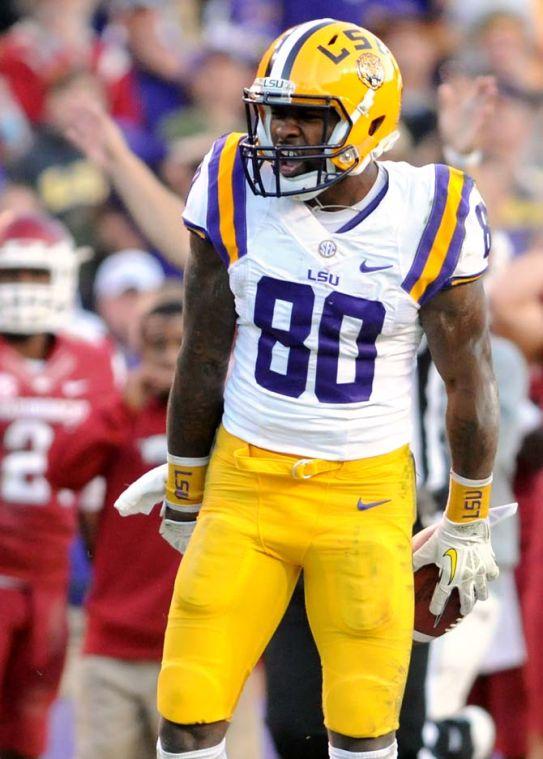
{"x":304,"y":179}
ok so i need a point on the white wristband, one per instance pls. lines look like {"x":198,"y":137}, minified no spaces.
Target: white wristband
{"x":467,"y":483}
{"x":186,"y":461}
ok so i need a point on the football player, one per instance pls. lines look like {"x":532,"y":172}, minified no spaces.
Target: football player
{"x":322,"y":267}
{"x":46,"y":380}
{"x":133,"y":570}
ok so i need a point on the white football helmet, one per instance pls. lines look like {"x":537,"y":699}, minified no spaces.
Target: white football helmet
{"x":36,"y":242}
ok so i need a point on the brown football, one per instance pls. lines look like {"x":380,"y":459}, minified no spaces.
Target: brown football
{"x":425,"y":581}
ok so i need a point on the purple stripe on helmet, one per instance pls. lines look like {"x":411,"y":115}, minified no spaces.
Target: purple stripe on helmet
{"x":289,"y":63}
{"x":239,"y":189}
{"x":365,"y":212}
{"x":213,"y":211}
{"x":455,"y":246}
{"x":431,"y":228}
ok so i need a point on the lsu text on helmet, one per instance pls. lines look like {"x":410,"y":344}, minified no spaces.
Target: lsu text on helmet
{"x":32,"y":244}
{"x":335,"y":66}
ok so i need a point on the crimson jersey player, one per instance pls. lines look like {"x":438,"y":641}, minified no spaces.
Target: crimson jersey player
{"x":46,"y":381}
{"x":134,"y":569}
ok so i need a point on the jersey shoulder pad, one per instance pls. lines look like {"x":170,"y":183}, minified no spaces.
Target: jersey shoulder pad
{"x":216,"y":205}
{"x":444,"y":198}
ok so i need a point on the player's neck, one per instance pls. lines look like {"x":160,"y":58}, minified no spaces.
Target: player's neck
{"x":31,"y":346}
{"x":350,"y":190}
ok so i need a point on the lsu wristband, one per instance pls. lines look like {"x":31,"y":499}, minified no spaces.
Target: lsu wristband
{"x":185,"y":483}
{"x":468,"y":499}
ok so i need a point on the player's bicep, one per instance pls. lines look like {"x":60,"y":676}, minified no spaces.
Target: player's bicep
{"x":209,"y":308}
{"x":456,"y":326}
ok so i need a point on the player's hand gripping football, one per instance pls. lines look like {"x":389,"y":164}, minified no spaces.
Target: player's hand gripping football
{"x":465,"y":559}
{"x":460,"y":546}
{"x":179,"y":484}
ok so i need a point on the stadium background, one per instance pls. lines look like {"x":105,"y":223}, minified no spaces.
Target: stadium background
{"x":170,"y":73}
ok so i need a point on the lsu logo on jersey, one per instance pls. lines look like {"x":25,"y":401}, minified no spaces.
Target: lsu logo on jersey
{"x":323,"y":276}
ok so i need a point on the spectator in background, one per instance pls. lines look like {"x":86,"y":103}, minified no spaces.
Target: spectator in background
{"x":46,"y":379}
{"x":217,"y":79}
{"x":53,"y":38}
{"x":502,"y":158}
{"x":157,"y":45}
{"x":516,"y":299}
{"x":254,"y":23}
{"x":126,"y":282}
{"x":418,"y":50}
{"x":502,"y":42}
{"x":490,"y":642}
{"x":466,"y":13}
{"x":69,"y":186}
{"x":134,"y":568}
{"x":182,"y":161}
{"x":155,"y":209}
{"x":498,"y":149}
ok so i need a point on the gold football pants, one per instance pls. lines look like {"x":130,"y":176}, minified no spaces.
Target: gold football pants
{"x":265,"y":517}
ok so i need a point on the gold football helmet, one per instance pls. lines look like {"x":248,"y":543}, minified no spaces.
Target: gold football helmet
{"x":335,"y":66}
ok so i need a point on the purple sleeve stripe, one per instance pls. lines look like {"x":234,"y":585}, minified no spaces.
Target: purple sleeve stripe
{"x":455,"y":247}
{"x":239,"y":189}
{"x":213,"y":213}
{"x":200,"y":231}
{"x":431,"y":228}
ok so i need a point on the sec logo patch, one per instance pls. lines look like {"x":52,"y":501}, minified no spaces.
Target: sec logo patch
{"x":327,"y":248}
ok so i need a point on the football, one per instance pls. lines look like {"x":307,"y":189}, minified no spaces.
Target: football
{"x":425,"y":581}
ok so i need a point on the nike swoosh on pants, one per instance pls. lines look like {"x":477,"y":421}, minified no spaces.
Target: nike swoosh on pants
{"x":371,"y":504}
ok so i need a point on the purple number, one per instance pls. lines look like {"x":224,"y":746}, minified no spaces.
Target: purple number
{"x":372,"y":315}
{"x":482,"y":218}
{"x":302,"y":298}
{"x":337,"y":305}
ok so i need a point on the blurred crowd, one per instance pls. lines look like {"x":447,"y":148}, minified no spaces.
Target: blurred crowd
{"x":106,"y":110}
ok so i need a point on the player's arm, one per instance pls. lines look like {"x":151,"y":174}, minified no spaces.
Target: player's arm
{"x":456,"y":326}
{"x":196,"y":398}
{"x":209,"y":315}
{"x":155,"y":209}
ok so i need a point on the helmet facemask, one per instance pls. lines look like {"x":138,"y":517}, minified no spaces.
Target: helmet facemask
{"x":41,"y":305}
{"x":258,"y":148}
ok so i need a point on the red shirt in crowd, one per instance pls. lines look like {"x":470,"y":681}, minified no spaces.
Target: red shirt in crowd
{"x":31,"y":60}
{"x":134,"y":568}
{"x":37,"y":398}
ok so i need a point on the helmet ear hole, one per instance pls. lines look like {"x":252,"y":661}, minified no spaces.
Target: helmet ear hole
{"x":375,"y":124}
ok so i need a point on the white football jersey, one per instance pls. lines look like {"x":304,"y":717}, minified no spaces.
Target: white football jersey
{"x":328,"y":324}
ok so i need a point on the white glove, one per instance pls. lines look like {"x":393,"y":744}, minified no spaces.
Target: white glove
{"x":176,"y":533}
{"x":141,"y":495}
{"x":465,"y":559}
